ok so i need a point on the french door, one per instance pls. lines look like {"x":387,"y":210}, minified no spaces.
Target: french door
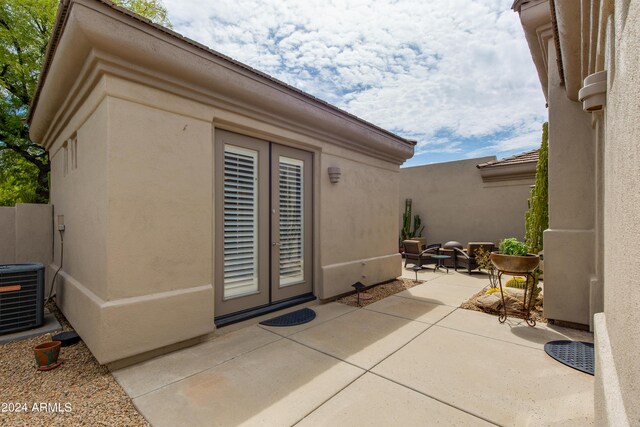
{"x":263,"y":239}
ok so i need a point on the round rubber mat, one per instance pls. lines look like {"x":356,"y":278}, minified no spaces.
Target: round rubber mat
{"x":576,"y":354}
{"x":297,"y":317}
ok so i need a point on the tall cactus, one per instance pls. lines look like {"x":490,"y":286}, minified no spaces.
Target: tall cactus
{"x":417,"y":226}
{"x":537,"y":217}
{"x":405,"y":233}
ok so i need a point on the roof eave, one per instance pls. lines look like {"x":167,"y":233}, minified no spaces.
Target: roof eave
{"x":404,"y":147}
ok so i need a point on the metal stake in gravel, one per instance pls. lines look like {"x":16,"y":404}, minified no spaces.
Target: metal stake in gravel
{"x":417,"y":268}
{"x":358,"y":287}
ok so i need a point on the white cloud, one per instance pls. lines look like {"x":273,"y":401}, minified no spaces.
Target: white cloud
{"x":438,"y":71}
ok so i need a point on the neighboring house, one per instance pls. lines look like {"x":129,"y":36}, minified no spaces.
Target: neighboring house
{"x":474,"y":200}
{"x":587,"y":54}
{"x":193,"y":187}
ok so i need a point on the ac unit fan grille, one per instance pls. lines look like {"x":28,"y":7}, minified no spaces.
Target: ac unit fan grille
{"x":21,"y":308}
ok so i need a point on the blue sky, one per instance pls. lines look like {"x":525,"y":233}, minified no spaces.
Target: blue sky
{"x":455,"y":75}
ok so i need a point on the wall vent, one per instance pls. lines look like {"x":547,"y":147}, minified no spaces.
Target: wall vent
{"x":21,"y":297}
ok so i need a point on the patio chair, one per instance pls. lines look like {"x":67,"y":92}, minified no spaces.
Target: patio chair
{"x":467,"y":257}
{"x":413,"y":252}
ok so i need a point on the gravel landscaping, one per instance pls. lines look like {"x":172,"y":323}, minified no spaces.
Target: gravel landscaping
{"x":379,"y":292}
{"x":536,"y":312}
{"x":80,"y":392}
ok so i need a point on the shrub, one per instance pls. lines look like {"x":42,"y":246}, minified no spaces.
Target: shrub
{"x":513,"y":246}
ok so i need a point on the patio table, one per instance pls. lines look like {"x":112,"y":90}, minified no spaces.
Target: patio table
{"x":440,"y":264}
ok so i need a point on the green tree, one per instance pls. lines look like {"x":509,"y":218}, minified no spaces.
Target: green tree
{"x":18,"y":179}
{"x":152,"y":9}
{"x":537,"y":217}
{"x":25,"y":29}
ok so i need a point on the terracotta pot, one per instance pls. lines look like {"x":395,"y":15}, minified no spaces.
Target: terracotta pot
{"x":47,"y":353}
{"x":515,"y":264}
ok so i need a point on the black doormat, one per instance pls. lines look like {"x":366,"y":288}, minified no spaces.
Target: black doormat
{"x":297,"y":317}
{"x":577,"y":354}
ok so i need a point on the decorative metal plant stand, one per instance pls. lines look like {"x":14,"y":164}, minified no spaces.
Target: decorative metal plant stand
{"x":529,"y":291}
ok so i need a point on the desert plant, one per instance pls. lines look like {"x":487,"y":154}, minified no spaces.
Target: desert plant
{"x":537,"y":217}
{"x":516,"y":282}
{"x":417,"y":226}
{"x":407,"y":232}
{"x":483,"y":258}
{"x":513,"y":246}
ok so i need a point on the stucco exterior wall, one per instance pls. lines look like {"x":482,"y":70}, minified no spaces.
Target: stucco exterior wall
{"x":138,"y":211}
{"x":569,"y":243}
{"x":357,"y":217}
{"x":7,"y":234}
{"x":619,"y":324}
{"x":595,"y":36}
{"x":455,"y":204}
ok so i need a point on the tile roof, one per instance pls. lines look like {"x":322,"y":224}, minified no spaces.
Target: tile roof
{"x":522,"y":158}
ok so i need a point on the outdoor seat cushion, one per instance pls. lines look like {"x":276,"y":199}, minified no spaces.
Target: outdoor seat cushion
{"x":472,"y":247}
{"x":412,"y":247}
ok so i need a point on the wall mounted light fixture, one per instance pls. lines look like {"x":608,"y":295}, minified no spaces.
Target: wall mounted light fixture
{"x":593,"y":94}
{"x":334,"y":174}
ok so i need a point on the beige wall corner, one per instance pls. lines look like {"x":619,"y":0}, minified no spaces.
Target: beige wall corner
{"x":609,"y":404}
{"x":570,"y":241}
{"x":338,"y":278}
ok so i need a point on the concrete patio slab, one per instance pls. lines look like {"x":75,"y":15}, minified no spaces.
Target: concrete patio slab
{"x":502,"y":382}
{"x":362,"y":337}
{"x":476,"y":280}
{"x":439,"y":293}
{"x":411,"y":309}
{"x":514,"y":330}
{"x":324,"y":312}
{"x":152,"y":374}
{"x":278,"y":384}
{"x":375,"y":401}
{"x":424,"y":275}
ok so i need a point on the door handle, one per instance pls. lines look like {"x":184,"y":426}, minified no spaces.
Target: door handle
{"x":275,"y":244}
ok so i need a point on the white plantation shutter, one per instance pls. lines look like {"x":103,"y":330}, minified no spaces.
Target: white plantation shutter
{"x":240,"y":221}
{"x":291,"y":205}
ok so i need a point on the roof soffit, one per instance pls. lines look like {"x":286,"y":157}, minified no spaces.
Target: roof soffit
{"x":536,"y":22}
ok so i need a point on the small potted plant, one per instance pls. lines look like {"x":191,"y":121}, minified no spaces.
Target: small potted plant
{"x":514,"y":257}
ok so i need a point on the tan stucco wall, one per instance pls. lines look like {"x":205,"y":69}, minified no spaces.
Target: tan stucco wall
{"x":26,"y":235}
{"x":594,"y":233}
{"x":7,"y":234}
{"x":137,"y":211}
{"x":455,"y":204}
{"x":357,"y":218}
{"x":621,"y":225}
{"x":569,"y":243}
